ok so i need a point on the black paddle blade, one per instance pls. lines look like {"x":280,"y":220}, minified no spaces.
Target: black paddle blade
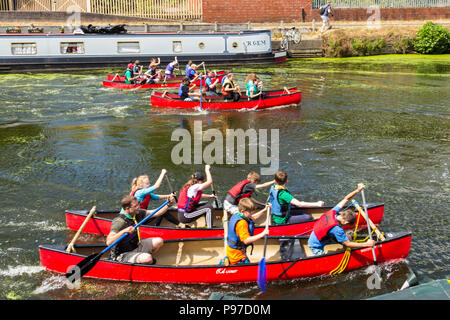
{"x":83,"y":267}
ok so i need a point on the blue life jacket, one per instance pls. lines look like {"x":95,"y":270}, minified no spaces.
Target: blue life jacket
{"x":191,"y":73}
{"x":277,"y":208}
{"x":182,"y":94}
{"x":233,"y":239}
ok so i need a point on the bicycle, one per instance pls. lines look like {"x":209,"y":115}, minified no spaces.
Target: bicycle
{"x":292,"y":34}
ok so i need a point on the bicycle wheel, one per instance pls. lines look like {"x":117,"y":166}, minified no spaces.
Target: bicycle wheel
{"x":297,"y":37}
{"x":284,"y":44}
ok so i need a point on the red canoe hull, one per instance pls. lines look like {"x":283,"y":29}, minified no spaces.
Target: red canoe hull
{"x":102,"y":226}
{"x":173,"y":83}
{"x":395,"y":248}
{"x":266,"y":92}
{"x":112,"y":77}
{"x":287,"y":99}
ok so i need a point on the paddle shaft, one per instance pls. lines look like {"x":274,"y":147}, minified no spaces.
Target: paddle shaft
{"x":214,"y":193}
{"x":262,"y":275}
{"x":372,"y":225}
{"x":201,"y":94}
{"x":366,"y":216}
{"x":170,"y":187}
{"x":225,"y":231}
{"x":136,"y":226}
{"x":267,"y":227}
{"x":75,"y":238}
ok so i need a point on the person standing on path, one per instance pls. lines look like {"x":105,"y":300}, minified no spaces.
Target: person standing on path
{"x":325,"y":13}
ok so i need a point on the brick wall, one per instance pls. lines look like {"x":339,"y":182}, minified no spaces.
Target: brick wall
{"x":238,"y":11}
{"x":423,"y":14}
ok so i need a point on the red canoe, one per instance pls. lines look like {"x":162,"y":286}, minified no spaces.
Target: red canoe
{"x":100,"y":224}
{"x":198,"y":260}
{"x":274,"y":92}
{"x":270,"y":101}
{"x":113,"y":77}
{"x":116,"y":84}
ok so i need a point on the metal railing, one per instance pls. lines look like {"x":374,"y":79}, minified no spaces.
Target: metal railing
{"x":382,"y":3}
{"x":153,"y":9}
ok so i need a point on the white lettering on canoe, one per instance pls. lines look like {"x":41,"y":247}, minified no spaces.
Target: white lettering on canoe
{"x":225,"y":271}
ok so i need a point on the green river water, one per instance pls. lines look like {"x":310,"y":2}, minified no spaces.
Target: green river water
{"x":69,"y":143}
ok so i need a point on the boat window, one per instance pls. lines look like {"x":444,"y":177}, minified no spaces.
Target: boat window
{"x":72,"y":47}
{"x":128,"y":47}
{"x":201,"y":45}
{"x":177,"y":47}
{"x":23,"y":48}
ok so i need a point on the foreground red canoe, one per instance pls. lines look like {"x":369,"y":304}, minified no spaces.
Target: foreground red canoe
{"x":270,"y":101}
{"x":100,"y":224}
{"x":198,"y":260}
{"x":113,"y":77}
{"x":172,"y":83}
{"x":274,"y":92}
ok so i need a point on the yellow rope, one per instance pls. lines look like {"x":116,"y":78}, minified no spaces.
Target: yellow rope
{"x":346,"y":258}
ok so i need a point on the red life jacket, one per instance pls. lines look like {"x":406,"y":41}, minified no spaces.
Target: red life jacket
{"x":143,"y":204}
{"x":186,"y":203}
{"x":324,"y":224}
{"x":236,"y":191}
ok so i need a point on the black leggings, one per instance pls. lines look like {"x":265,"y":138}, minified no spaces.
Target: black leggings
{"x":166,"y":216}
{"x":205,"y":209}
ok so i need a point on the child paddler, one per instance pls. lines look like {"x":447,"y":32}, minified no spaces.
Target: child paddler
{"x":170,"y":70}
{"x":244,"y":189}
{"x":143,"y":191}
{"x":283,"y":201}
{"x":241,"y":232}
{"x":329,"y":227}
{"x":189,"y":207}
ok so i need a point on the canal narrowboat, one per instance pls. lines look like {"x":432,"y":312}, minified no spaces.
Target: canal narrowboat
{"x":198,"y":260}
{"x":20,"y":51}
{"x":158,"y":99}
{"x":100,"y":223}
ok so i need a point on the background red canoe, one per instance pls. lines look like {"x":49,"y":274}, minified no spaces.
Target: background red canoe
{"x":113,"y":77}
{"x":100,"y":224}
{"x":175,"y":82}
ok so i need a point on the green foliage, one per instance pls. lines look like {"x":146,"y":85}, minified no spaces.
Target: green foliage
{"x":367,"y":47}
{"x":338,"y":48}
{"x":403,"y":45}
{"x":432,"y":38}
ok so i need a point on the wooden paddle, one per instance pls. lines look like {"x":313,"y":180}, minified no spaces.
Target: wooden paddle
{"x":70,"y":247}
{"x":88,"y":263}
{"x":214,"y":193}
{"x":170,"y":187}
{"x":201,"y":94}
{"x":370,"y":234}
{"x":262,"y":274}
{"x":225,"y":232}
{"x":372,"y":225}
